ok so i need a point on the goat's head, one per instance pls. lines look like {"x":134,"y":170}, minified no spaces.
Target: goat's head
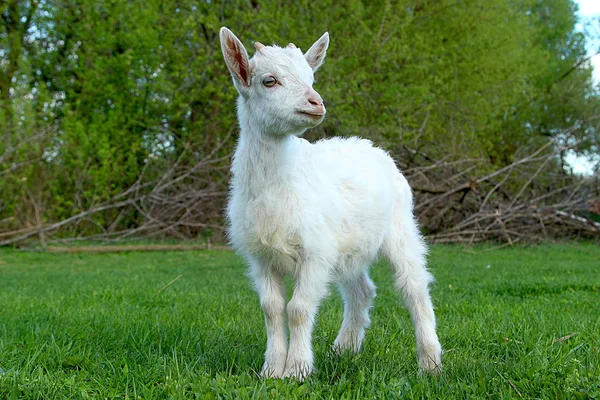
{"x":276,"y":84}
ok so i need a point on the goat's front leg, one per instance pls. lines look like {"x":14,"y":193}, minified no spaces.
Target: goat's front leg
{"x":271,"y":291}
{"x":310,"y":288}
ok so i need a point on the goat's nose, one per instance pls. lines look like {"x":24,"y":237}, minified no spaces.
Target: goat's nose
{"x":314,"y":98}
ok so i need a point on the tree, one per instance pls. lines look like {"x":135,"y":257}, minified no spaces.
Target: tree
{"x":96,"y":94}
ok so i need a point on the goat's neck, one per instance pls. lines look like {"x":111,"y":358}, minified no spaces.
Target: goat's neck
{"x":262,"y":160}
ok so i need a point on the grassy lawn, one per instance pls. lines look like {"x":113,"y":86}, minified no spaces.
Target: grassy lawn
{"x":188,"y":325}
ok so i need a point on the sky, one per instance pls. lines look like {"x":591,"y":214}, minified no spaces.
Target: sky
{"x":590,"y":9}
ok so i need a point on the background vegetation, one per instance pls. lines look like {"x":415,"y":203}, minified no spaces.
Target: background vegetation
{"x":117,"y":117}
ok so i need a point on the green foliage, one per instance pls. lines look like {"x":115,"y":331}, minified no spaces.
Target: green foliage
{"x":95,"y":93}
{"x":111,"y":326}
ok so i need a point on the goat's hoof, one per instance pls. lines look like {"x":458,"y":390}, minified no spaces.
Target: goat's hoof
{"x":350,"y":346}
{"x":298,"y":370}
{"x":272,"y":371}
{"x":348,"y":341}
{"x":430,"y":359}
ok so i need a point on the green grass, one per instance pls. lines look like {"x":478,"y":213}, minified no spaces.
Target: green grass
{"x":110,"y":326}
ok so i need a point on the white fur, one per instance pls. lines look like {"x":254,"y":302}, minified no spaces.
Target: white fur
{"x":320,"y":212}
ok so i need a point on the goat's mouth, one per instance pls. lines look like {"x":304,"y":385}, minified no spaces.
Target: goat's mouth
{"x":311,"y":114}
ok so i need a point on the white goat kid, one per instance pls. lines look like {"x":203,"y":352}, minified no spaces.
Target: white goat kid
{"x":319,"y":212}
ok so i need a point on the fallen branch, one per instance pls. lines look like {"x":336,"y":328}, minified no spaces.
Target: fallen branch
{"x":136,"y":248}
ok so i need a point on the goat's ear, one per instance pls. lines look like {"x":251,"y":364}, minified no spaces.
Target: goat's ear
{"x":316,"y":54}
{"x":235,"y":56}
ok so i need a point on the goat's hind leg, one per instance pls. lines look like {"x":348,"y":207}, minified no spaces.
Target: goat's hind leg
{"x":270,"y":286}
{"x":406,"y":251}
{"x":358,"y":294}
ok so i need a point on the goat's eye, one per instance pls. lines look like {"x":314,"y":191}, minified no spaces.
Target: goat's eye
{"x":270,"y":81}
